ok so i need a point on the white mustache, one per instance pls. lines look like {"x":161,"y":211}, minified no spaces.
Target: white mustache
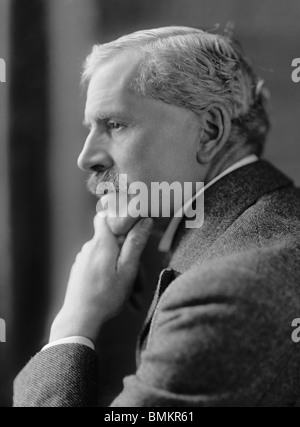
{"x":109,"y":176}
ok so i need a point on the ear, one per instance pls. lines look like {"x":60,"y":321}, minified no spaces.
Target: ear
{"x":214,"y":134}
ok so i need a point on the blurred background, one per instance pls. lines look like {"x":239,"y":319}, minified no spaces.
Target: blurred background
{"x":45,"y":211}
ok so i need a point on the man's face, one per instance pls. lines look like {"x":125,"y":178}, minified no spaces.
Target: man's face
{"x":146,"y":139}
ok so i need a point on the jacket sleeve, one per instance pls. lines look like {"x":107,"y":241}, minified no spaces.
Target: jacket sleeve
{"x":62,"y":376}
{"x":221,"y":336}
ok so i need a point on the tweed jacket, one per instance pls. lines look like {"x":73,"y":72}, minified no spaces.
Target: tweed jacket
{"x":219,"y":330}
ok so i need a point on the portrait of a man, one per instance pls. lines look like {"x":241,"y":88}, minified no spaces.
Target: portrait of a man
{"x":179,"y":104}
{"x":190,"y":212}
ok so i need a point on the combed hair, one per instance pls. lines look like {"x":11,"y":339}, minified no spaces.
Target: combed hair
{"x":194,"y":69}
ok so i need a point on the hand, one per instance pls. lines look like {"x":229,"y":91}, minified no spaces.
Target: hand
{"x":101,"y":280}
{"x":119,"y":222}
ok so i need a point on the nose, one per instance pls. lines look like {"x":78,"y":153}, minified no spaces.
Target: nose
{"x":94,"y":156}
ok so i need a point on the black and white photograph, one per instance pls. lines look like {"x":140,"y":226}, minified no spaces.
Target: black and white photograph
{"x":149,"y":206}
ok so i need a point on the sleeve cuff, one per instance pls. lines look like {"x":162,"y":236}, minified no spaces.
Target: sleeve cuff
{"x":71,"y":340}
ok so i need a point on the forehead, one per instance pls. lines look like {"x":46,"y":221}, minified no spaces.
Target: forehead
{"x":110,"y":84}
{"x":109,"y":94}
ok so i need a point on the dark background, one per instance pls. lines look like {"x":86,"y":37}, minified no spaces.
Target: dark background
{"x":45,"y":211}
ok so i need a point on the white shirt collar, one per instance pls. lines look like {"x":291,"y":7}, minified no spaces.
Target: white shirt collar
{"x":168,"y":237}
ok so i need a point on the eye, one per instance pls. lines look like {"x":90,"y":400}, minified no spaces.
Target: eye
{"x":115,"y":126}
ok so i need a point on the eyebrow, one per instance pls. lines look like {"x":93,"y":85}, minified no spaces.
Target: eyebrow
{"x":106,"y":116}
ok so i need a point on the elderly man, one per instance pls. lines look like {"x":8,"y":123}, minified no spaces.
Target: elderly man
{"x":180,"y":105}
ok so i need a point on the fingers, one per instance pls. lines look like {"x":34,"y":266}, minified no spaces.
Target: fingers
{"x":132,"y":249}
{"x":104,"y":236}
{"x":121,"y":226}
{"x":116,"y":211}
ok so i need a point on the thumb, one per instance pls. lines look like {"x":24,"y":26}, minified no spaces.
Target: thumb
{"x":133,"y":247}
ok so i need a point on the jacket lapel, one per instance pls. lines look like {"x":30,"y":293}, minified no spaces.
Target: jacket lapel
{"x":166,"y":277}
{"x":224,"y":202}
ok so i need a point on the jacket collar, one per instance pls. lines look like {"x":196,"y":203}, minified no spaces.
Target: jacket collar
{"x":168,"y":237}
{"x":224,"y":202}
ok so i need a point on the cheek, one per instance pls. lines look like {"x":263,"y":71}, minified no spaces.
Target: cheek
{"x":173,"y":150}
{"x":150,"y":155}
{"x":133,"y":154}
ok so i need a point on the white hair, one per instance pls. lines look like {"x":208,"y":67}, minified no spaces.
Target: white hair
{"x":193,"y":69}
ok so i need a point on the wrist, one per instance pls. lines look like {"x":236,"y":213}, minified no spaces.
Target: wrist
{"x":65,"y":326}
{"x":71,"y":340}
